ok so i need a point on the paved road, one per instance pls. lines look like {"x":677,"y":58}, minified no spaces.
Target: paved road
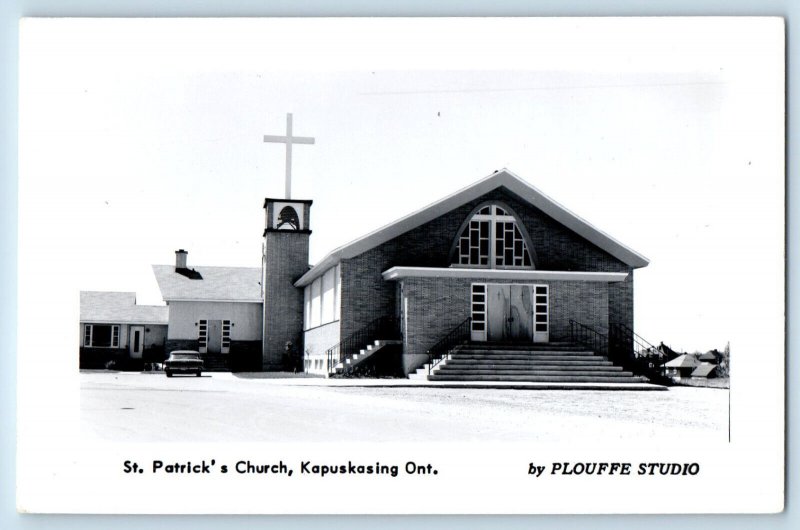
{"x":144,"y":407}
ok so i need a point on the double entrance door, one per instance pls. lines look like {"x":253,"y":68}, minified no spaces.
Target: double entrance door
{"x":510,"y":312}
{"x":214,"y":336}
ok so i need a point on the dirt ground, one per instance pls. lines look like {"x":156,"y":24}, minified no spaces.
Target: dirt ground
{"x":149,"y":407}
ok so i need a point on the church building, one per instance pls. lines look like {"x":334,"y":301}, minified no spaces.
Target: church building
{"x":499,"y":259}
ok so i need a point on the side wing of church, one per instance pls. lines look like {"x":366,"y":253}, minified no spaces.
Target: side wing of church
{"x":497,"y":262}
{"x":216,"y":311}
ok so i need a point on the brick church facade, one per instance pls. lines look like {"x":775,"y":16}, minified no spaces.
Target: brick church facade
{"x":500,"y":253}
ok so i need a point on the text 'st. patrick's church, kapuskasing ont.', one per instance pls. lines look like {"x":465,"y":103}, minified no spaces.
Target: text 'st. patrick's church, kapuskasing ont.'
{"x":497,"y":267}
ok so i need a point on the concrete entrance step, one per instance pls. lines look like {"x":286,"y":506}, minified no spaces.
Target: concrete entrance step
{"x":532,"y":353}
{"x":540,"y":378}
{"x":528,"y":362}
{"x":453,"y":367}
{"x":537,"y":373}
{"x":528,"y":346}
{"x":525,"y":357}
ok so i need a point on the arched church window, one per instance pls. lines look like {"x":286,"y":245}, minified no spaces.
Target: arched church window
{"x":288,"y":219}
{"x":492,"y":238}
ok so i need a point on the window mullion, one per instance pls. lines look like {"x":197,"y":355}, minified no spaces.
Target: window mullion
{"x":492,"y":242}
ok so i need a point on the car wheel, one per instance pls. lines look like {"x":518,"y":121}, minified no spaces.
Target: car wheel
{"x":198,"y":374}
{"x":169,"y":374}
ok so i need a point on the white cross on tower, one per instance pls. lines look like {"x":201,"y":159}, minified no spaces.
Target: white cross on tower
{"x":288,"y":140}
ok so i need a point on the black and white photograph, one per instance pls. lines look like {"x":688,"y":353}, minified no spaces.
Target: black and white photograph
{"x":286,"y":257}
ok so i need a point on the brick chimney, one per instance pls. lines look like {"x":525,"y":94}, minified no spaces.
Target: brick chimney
{"x":180,"y":259}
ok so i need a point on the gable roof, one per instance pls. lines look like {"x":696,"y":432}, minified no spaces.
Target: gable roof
{"x":707,"y":356}
{"x":119,"y":308}
{"x":499,"y":179}
{"x":219,"y":284}
{"x":683,"y":361}
{"x":704,"y":370}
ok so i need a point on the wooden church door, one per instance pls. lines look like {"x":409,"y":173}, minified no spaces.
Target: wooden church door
{"x":520,"y":313}
{"x":496,"y":312}
{"x":510,"y":313}
{"x":516,"y":312}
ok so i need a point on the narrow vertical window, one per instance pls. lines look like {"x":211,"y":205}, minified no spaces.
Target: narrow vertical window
{"x":87,"y":335}
{"x":226,"y":336}
{"x":316,"y":302}
{"x":202,"y":335}
{"x":337,"y":306}
{"x":328,"y":290}
{"x":541,"y":312}
{"x":478,"y":299}
{"x":307,"y":311}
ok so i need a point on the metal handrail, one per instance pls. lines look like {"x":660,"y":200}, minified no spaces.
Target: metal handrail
{"x":636,"y":354}
{"x":457,"y":335}
{"x":588,"y":336}
{"x":382,"y":328}
{"x":640,"y":346}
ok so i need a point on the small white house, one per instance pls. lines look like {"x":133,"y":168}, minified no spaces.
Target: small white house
{"x":114,"y":328}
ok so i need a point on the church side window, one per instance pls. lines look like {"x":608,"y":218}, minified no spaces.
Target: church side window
{"x":337,"y":304}
{"x":322,"y":299}
{"x":492,"y":239}
{"x":307,"y":299}
{"x":328,"y":290}
{"x":316,"y":302}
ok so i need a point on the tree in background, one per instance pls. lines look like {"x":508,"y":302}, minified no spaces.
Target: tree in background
{"x":723,"y":368}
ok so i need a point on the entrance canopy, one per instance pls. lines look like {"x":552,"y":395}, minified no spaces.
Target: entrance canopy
{"x":398,"y":273}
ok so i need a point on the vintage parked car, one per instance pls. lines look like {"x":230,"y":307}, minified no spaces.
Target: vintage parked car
{"x":183,"y":362}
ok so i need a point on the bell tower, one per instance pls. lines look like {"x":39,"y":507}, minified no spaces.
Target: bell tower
{"x":285,"y":259}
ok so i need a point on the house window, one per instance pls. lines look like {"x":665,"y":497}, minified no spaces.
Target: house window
{"x":101,"y":336}
{"x":492,"y":239}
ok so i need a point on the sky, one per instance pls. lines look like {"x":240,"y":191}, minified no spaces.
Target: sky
{"x":139,"y":137}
